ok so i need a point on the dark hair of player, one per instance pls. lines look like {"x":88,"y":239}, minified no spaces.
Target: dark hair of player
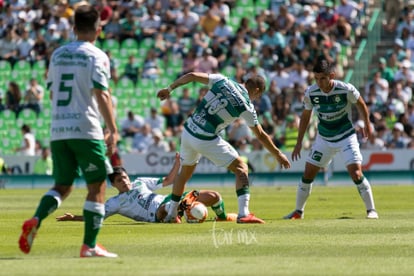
{"x":116,"y":171}
{"x":323,"y":66}
{"x":86,"y":19}
{"x":256,"y":82}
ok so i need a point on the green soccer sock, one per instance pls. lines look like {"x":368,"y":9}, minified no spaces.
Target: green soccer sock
{"x":93,"y":214}
{"x":48,"y":204}
{"x":218,"y":208}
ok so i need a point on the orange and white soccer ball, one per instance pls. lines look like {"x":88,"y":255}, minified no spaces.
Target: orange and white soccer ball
{"x":196,"y":213}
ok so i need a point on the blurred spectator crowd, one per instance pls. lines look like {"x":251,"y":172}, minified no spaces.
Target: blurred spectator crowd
{"x":150,"y":43}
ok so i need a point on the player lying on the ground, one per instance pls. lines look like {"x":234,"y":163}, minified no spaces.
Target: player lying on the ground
{"x":136,"y":200}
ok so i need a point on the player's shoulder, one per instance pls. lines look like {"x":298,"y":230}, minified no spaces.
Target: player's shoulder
{"x":313,"y":88}
{"x":341,"y":85}
{"x":96,"y":51}
{"x":215,"y":77}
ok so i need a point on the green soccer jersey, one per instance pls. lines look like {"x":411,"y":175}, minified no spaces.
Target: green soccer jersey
{"x":334,"y":109}
{"x":75,"y":69}
{"x":225,"y":101}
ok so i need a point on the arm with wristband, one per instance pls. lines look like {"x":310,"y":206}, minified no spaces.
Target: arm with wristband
{"x":164,"y":93}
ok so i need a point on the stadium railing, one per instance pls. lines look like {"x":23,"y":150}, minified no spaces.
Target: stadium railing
{"x":367,"y":49}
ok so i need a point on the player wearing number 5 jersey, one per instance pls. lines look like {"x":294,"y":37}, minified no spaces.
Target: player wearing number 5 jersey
{"x":78,"y":79}
{"x":225,"y":101}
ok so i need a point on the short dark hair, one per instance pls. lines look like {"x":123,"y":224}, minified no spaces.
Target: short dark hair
{"x":87,"y":19}
{"x":323,"y":66}
{"x":25,"y":128}
{"x":256,"y":82}
{"x":116,"y":171}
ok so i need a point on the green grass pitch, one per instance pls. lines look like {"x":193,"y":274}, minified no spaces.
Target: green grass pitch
{"x":333,"y":239}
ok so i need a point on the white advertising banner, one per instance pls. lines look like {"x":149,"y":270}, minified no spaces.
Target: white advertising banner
{"x":262,"y":161}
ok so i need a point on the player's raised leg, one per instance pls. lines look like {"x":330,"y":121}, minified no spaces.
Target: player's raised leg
{"x":47,"y":205}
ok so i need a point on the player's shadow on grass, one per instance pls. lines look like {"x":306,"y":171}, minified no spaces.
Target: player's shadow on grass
{"x":346,"y":217}
{"x":121,"y":223}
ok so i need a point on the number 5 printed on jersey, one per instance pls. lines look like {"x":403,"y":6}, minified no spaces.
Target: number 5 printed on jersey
{"x":65,"y":90}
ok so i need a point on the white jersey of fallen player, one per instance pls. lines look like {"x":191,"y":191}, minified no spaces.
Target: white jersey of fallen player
{"x":74,"y":70}
{"x":334,"y":109}
{"x":140,"y":203}
{"x":225,"y":101}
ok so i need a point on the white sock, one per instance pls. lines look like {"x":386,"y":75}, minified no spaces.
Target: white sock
{"x":365,"y":191}
{"x":302,"y":194}
{"x":243,"y":201}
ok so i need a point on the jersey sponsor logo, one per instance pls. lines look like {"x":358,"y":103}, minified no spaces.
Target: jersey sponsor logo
{"x":149,"y":200}
{"x":63,"y":129}
{"x":332,"y":117}
{"x":317,"y":156}
{"x":67,"y":116}
{"x":91,"y":168}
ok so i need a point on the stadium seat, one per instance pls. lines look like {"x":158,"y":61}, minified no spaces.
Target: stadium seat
{"x":28,"y":117}
{"x":8,"y":117}
{"x":8,"y":145}
{"x":125,"y":87}
{"x":129,"y":43}
{"x":261,"y":5}
{"x":23,"y":65}
{"x":147,"y":43}
{"x":39,"y":71}
{"x":229,"y":70}
{"x":5,"y":69}
{"x":129,"y":47}
{"x":21,"y":78}
{"x":111,"y":44}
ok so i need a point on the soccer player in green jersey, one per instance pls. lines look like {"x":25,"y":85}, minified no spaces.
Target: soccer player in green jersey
{"x":78,"y":80}
{"x":138,"y":201}
{"x":225,"y":101}
{"x":332,"y":100}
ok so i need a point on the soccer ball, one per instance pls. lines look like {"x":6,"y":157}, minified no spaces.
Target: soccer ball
{"x":196,"y":213}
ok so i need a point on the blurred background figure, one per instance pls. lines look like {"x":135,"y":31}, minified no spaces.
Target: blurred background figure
{"x":34,"y":96}
{"x":28,"y":143}
{"x":44,"y":165}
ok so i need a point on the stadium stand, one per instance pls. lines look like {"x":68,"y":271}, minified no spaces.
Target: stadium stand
{"x":354,"y":59}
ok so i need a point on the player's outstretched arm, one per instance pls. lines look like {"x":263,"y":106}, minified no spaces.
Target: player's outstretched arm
{"x":169,"y":179}
{"x":69,"y":217}
{"x":364,"y":113}
{"x":164,"y":93}
{"x":267,"y":142}
{"x":303,"y":125}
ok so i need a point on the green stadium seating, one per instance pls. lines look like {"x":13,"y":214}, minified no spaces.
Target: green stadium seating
{"x":28,"y":117}
{"x":111,"y":44}
{"x":8,"y":117}
{"x":5,"y":69}
{"x":261,"y":5}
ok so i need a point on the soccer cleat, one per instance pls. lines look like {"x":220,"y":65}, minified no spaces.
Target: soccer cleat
{"x":189,"y":199}
{"x":372,"y":214}
{"x":229,"y":217}
{"x":97,"y":251}
{"x":297,"y":214}
{"x":250,"y":218}
{"x":29,"y":230}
